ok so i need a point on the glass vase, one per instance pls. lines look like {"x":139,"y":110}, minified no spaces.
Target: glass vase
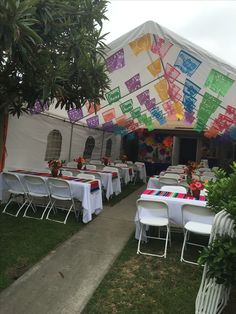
{"x":196,"y":194}
{"x":54,"y":172}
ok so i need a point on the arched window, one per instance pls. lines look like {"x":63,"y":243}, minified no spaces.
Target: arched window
{"x":108,"y":148}
{"x":89,"y":146}
{"x":54,"y":141}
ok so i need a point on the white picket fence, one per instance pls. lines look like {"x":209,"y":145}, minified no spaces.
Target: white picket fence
{"x":212,"y":297}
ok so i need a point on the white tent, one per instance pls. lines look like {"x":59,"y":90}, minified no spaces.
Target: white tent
{"x":158,"y":81}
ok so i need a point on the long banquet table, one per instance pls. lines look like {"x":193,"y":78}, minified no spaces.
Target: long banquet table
{"x":110,"y":182}
{"x":81,"y":190}
{"x":174,"y":201}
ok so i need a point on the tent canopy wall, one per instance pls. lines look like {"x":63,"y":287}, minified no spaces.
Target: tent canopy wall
{"x":27,"y":141}
{"x":159,"y":80}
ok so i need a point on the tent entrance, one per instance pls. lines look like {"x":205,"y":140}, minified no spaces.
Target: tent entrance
{"x":188,"y":148}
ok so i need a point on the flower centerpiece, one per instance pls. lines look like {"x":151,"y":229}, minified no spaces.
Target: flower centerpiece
{"x":54,"y":166}
{"x":106,"y":161}
{"x":80,"y":162}
{"x":195,"y":187}
{"x":189,"y":170}
{"x":124,"y":158}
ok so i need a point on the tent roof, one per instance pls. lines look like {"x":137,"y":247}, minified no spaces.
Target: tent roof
{"x":160,"y":80}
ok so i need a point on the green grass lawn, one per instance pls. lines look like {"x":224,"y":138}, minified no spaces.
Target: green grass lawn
{"x":145,"y":284}
{"x":23,"y":242}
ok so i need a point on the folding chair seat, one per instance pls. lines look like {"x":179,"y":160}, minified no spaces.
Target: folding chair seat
{"x":67,"y":173}
{"x":60,"y":193}
{"x":192,"y":220}
{"x":38,"y":195}
{"x":171,"y":175}
{"x":16,"y":190}
{"x":168,"y":181}
{"x":153,"y":213}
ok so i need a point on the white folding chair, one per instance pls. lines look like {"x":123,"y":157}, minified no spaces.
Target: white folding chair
{"x":153,"y":213}
{"x":38,"y":195}
{"x":111,"y":169}
{"x":174,"y":188}
{"x":72,"y":164}
{"x":16,"y":190}
{"x":85,"y":176}
{"x":122,"y":165}
{"x":117,"y":161}
{"x":171,"y":175}
{"x":67,"y":173}
{"x":192,"y":221}
{"x":204,"y":169}
{"x":91,"y":167}
{"x":168,"y":181}
{"x":208,"y":178}
{"x":95,"y":162}
{"x":60,"y":192}
{"x":129,"y":162}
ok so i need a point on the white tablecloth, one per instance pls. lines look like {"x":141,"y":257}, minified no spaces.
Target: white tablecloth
{"x":110,"y":185}
{"x":127,"y":174}
{"x":91,"y":202}
{"x":175,"y":213}
{"x":142,"y":171}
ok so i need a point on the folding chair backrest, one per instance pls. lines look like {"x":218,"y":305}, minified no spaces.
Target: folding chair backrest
{"x":59,"y":188}
{"x":36,"y":185}
{"x":208,"y":178}
{"x":204,"y":169}
{"x":196,"y":213}
{"x":111,"y":169}
{"x":122,"y":165}
{"x":168,"y":181}
{"x":152,"y":208}
{"x":13,"y":182}
{"x":95,"y":162}
{"x":174,"y":188}
{"x":67,"y":173}
{"x":175,"y":170}
{"x":129,"y":162}
{"x":91,"y":167}
{"x":72,"y":164}
{"x":86,"y":176}
{"x":208,"y":174}
{"x":171,"y":175}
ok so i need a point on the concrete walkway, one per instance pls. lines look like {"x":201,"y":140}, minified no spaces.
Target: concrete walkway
{"x":63,"y":282}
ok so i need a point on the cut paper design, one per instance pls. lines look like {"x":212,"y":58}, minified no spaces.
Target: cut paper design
{"x":160,"y":46}
{"x":171,"y":73}
{"x":115,"y":61}
{"x":136,"y":113}
{"x":39,"y":107}
{"x":108,"y":126}
{"x":169,"y":109}
{"x":141,"y":44}
{"x":218,"y":82}
{"x":162,"y":89}
{"x":178,"y":107}
{"x":155,"y":67}
{"x":150,"y":104}
{"x":121,"y":120}
{"x":113,"y":95}
{"x":108,"y":115}
{"x":187,"y":63}
{"x":91,"y":108}
{"x":143,"y":97}
{"x":189,"y":117}
{"x":120,"y":130}
{"x":127,"y":106}
{"x":174,"y":92}
{"x":211,"y":132}
{"x":133,"y":83}
{"x":150,"y":127}
{"x":207,"y":106}
{"x":92,"y":122}
{"x":191,"y":88}
{"x":222,"y":122}
{"x":189,"y":102}
{"x":143,"y":118}
{"x":75,"y":115}
{"x":158,"y":115}
{"x":231,"y":113}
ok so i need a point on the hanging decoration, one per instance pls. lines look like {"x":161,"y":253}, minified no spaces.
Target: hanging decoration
{"x":75,"y":115}
{"x":162,"y":89}
{"x":141,"y":44}
{"x":92,"y":122}
{"x":108,"y":115}
{"x":171,"y":73}
{"x":160,"y":46}
{"x":127,"y":106}
{"x":149,"y":104}
{"x":187,"y":63}
{"x":133,"y":83}
{"x":155,"y":67}
{"x":218,"y":82}
{"x":121,"y":120}
{"x":91,"y":108}
{"x":114,"y":95}
{"x":108,"y":126}
{"x":116,"y":61}
{"x":144,"y":97}
{"x":39,"y":107}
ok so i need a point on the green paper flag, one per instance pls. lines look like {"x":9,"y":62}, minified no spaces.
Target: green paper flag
{"x":127,"y":106}
{"x":113,"y":95}
{"x":136,"y":113}
{"x":218,"y":82}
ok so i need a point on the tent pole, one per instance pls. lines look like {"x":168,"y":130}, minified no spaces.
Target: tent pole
{"x":103,"y":132}
{"x":71,"y":133}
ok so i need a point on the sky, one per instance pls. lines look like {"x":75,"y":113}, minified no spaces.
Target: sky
{"x":209,"y":24}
